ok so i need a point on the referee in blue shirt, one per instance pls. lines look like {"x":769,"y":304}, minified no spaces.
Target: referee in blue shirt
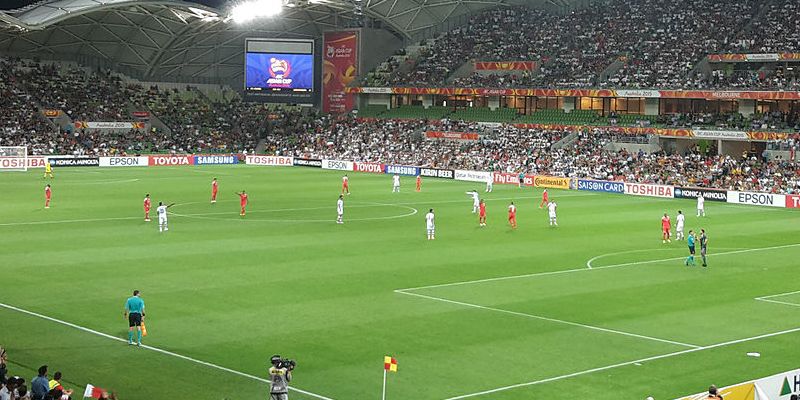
{"x":134,"y":310}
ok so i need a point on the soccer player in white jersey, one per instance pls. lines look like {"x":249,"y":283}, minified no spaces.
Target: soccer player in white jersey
{"x":551,"y":211}
{"x":489,"y":183}
{"x":162,"y":216}
{"x":430,"y":224}
{"x":340,"y":209}
{"x":701,"y":206}
{"x":396,"y":183}
{"x":476,"y":200}
{"x":679,"y":225}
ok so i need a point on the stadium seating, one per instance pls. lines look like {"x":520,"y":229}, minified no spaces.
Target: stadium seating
{"x":626,"y":43}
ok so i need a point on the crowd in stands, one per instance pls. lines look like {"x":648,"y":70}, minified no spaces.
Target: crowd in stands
{"x":193,"y":122}
{"x":625,"y":44}
{"x":536,"y":151}
{"x":41,"y":387}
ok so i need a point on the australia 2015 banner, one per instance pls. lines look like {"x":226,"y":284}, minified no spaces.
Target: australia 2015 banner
{"x":339,"y":68}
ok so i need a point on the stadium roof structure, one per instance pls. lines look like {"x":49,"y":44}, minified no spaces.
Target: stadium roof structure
{"x":192,"y":42}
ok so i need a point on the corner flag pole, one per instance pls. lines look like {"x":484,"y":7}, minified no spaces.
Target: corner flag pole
{"x":383,"y":392}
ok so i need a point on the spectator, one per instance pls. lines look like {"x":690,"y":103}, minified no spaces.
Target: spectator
{"x":40,"y":385}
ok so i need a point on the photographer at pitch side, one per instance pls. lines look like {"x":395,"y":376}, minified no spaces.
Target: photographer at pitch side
{"x":280,"y":374}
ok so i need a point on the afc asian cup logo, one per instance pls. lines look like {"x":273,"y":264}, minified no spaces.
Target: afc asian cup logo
{"x":278,"y":68}
{"x":330,"y":51}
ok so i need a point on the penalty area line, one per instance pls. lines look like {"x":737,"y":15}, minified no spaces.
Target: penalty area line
{"x":623,"y":364}
{"x":555,"y":320}
{"x":156,"y":349}
{"x":584,"y":269}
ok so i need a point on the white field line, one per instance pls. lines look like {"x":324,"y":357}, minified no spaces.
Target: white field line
{"x":622,"y":364}
{"x":583,"y":269}
{"x":67,"y":221}
{"x":769,"y":298}
{"x":156,"y":349}
{"x":560,"y":321}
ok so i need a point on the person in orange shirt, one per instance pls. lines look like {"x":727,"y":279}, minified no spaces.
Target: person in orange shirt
{"x":482,"y":214}
{"x":214,"y":188}
{"x":47,"y":194}
{"x":242,"y":202}
{"x":544,"y":199}
{"x":665,"y":228}
{"x":512,"y":215}
{"x":147,"y":207}
{"x":419,"y":183}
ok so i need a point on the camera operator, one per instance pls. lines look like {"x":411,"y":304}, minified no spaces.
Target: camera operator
{"x":280,"y":374}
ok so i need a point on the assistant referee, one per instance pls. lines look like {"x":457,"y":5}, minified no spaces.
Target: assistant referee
{"x":134,"y":310}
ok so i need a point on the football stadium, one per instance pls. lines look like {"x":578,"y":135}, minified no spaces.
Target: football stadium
{"x":399,"y":199}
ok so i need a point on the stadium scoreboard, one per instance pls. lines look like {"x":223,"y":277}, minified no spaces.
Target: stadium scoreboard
{"x":279,"y":66}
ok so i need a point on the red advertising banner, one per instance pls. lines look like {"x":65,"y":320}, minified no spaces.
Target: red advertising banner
{"x":170,"y":160}
{"x":505,"y":65}
{"x":452,"y":135}
{"x":765,"y":57}
{"x":374,"y":168}
{"x":339,"y":69}
{"x":141,"y":114}
{"x":667,"y":94}
{"x":507,"y":178}
{"x":792,"y":201}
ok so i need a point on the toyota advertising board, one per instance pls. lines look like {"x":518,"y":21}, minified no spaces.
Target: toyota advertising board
{"x":402,"y":170}
{"x":437,"y":173}
{"x":601,"y":186}
{"x":373,"y":168}
{"x":757,"y":199}
{"x":269,"y":161}
{"x":646,"y":189}
{"x":792,"y":201}
{"x":169,"y":160}
{"x":708,"y":194}
{"x":473,"y":176}
{"x":124,"y":161}
{"x":337,"y":165}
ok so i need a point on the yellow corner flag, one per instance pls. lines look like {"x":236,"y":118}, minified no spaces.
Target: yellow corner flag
{"x":144,"y":330}
{"x":390,"y":364}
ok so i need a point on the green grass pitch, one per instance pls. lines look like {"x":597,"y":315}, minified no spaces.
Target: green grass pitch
{"x":286,"y":279}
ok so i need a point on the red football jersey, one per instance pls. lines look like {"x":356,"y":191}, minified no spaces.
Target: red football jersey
{"x":665,"y":222}
{"x":482,"y":209}
{"x":214,"y":186}
{"x":512,"y":211}
{"x":243,"y":198}
{"x":147,"y":203}
{"x":47,"y":192}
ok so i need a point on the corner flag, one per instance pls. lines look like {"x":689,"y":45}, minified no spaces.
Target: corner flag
{"x":92,"y":392}
{"x":389,"y":364}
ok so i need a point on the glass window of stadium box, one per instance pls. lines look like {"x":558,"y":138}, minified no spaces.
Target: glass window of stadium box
{"x":407,"y":99}
{"x":549,"y":103}
{"x":599,"y":104}
{"x":686,"y":106}
{"x":519,"y":103}
{"x":461,"y":101}
{"x":628,"y":105}
{"x":783,"y":106}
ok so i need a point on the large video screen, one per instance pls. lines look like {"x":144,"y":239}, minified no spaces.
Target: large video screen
{"x":279,"y":71}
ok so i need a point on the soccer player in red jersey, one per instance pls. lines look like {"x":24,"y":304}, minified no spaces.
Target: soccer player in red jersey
{"x":665,"y":225}
{"x":214,"y":188}
{"x":512,"y":215}
{"x":419,"y":183}
{"x":544,"y":199}
{"x":346,"y":185}
{"x":242,"y":202}
{"x":47,"y":194}
{"x":147,"y":207}
{"x":482,"y":213}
